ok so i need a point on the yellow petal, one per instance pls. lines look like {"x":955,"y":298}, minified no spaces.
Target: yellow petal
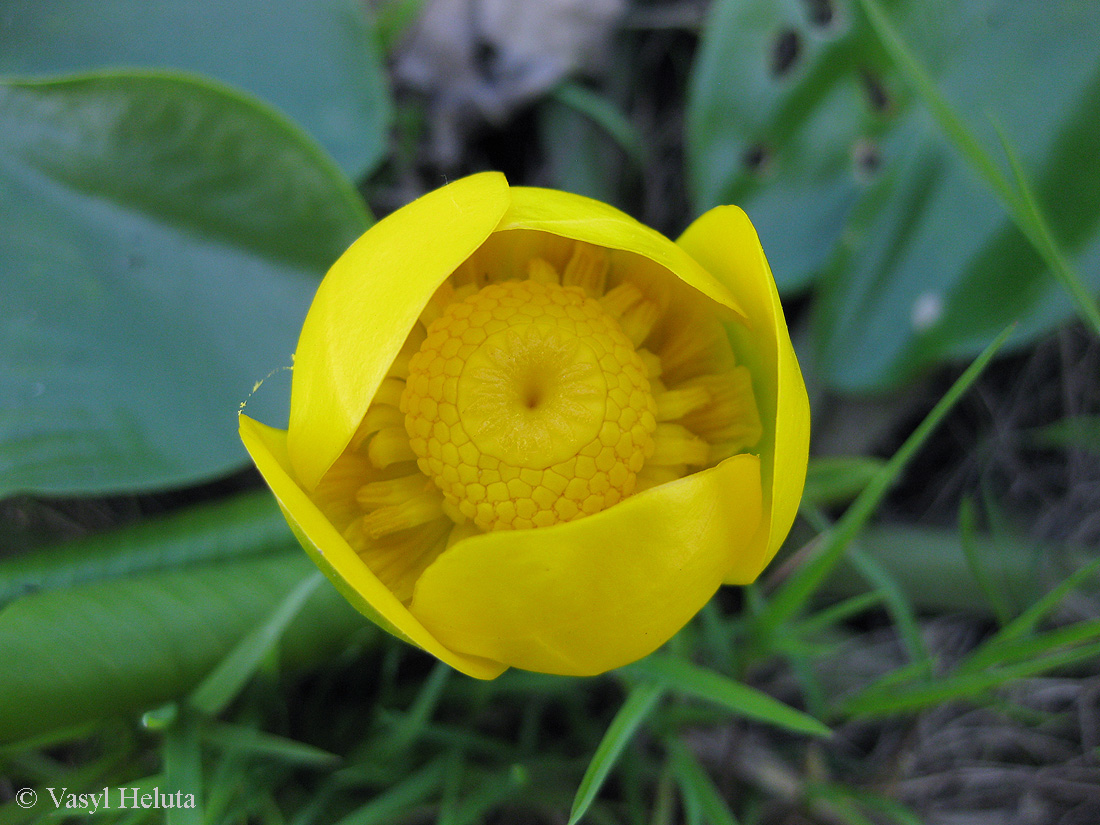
{"x":337,"y":560}
{"x":724,"y":241}
{"x":367,"y":304}
{"x":583,"y":219}
{"x":590,"y":595}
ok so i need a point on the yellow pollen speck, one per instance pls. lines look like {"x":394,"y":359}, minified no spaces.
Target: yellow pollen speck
{"x":552,"y":409}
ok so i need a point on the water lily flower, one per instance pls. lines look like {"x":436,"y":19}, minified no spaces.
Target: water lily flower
{"x":528,"y":431}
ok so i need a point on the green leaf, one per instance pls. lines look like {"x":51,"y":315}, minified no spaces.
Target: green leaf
{"x":120,"y":646}
{"x":224,"y":682}
{"x":739,"y":699}
{"x":847,"y":173}
{"x":314,"y":59}
{"x":836,"y":479}
{"x":246,"y":525}
{"x":639,"y":703}
{"x":163,"y":238}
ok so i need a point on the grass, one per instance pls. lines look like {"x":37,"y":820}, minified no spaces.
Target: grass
{"x":837,"y":691}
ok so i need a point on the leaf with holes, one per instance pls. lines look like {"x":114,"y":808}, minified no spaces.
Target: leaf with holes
{"x":784,"y":108}
{"x":844,"y":170}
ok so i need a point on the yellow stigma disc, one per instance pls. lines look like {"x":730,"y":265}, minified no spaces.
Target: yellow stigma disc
{"x":527,"y":406}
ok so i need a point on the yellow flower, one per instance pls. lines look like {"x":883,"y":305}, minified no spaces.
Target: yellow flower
{"x":526,"y":430}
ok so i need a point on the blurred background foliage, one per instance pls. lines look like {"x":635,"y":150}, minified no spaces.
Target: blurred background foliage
{"x":175,"y":180}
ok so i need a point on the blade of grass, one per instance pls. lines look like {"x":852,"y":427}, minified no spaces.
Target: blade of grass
{"x":999,"y":652}
{"x":490,"y":794}
{"x":796,"y":591}
{"x":1019,"y":202}
{"x":412,"y":724}
{"x":604,"y":114}
{"x":1043,"y":239}
{"x":911,"y":698}
{"x":226,"y":680}
{"x":183,"y":771}
{"x":1027,"y":621}
{"x":389,"y":806}
{"x":905,"y":618}
{"x":696,"y":785}
{"x":836,"y":479}
{"x":839,"y":612}
{"x":888,"y":807}
{"x":639,"y":703}
{"x":1079,"y":432}
{"x":452,"y":788}
{"x":742,"y":700}
{"x":968,"y":539}
{"x":255,"y":742}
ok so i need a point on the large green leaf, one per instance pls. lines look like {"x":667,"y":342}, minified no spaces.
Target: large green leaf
{"x":119,"y":646}
{"x":162,"y":238}
{"x":929,"y":264}
{"x":227,"y":530}
{"x":316,"y":60}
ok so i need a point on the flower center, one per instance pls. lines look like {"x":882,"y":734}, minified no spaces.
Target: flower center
{"x":527,"y":405}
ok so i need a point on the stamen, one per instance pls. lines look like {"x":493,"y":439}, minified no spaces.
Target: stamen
{"x":652,"y":363}
{"x":355,"y":535}
{"x":587,"y":268}
{"x":675,"y":444}
{"x":335,"y":495}
{"x":400,"y":366}
{"x":398,"y":559}
{"x":394,"y":491}
{"x":618,"y":300}
{"x":451,"y":511}
{"x":442,"y":298}
{"x":389,"y":392}
{"x":468,"y":274}
{"x":465,"y":291}
{"x":682,"y":347}
{"x":542,"y":271}
{"x":732,"y":415}
{"x":652,"y":476}
{"x":390,"y":445}
{"x":638,"y":321}
{"x":410,"y":513}
{"x":462,"y":530}
{"x":673,"y":404}
{"x":725,"y":449}
{"x":377,"y":417}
